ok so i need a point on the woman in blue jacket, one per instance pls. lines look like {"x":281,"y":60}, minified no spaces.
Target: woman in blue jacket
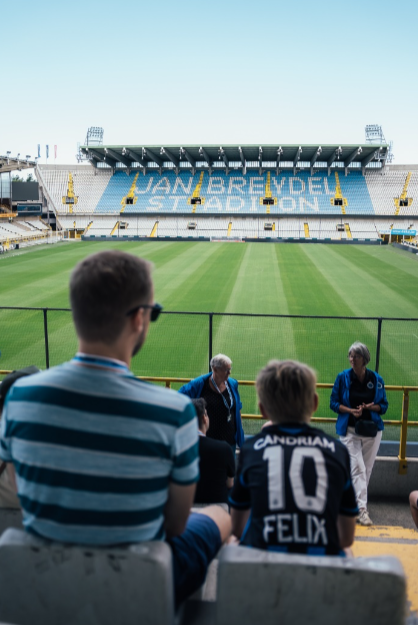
{"x":359,"y":399}
{"x":222,"y":399}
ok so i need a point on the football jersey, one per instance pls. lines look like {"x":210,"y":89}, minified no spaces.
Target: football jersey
{"x":296,"y":480}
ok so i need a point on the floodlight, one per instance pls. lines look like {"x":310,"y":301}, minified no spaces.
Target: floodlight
{"x":8,"y":152}
{"x":18,"y":156}
{"x":27,"y":157}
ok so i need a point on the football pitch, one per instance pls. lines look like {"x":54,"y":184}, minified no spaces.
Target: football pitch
{"x":251,"y":278}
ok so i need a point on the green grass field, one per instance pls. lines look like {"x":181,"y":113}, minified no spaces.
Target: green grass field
{"x":259,"y":278}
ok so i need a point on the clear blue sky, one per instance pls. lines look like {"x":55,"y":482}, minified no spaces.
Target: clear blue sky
{"x":224,"y":71}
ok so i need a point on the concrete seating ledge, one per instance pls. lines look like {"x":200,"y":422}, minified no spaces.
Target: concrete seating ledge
{"x":44,"y":583}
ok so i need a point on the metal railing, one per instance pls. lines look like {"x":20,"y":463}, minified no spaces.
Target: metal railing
{"x":212,"y":316}
{"x":402,"y":422}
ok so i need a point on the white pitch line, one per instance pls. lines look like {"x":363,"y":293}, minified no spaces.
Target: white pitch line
{"x":415,"y":336}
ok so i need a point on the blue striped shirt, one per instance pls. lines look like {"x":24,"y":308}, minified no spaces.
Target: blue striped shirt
{"x":94,"y":450}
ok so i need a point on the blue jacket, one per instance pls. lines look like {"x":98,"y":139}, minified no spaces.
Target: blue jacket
{"x":341,"y":395}
{"x":193,"y":389}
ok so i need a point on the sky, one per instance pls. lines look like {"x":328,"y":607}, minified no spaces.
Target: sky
{"x":218,"y":72}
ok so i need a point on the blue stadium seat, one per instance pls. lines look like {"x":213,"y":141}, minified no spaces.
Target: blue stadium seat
{"x":236,"y":193}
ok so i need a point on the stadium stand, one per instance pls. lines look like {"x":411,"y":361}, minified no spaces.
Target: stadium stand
{"x":235,"y":193}
{"x":336,"y":202}
{"x":19,"y":229}
{"x":374,"y":193}
{"x":388,"y":186}
{"x":89,"y":185}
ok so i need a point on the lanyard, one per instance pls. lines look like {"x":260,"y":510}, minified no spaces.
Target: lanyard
{"x":229,"y":408}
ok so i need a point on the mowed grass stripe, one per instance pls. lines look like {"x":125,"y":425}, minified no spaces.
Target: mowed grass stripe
{"x":390,"y":258}
{"x":388,"y":290}
{"x":250,"y":341}
{"x":369,"y":294}
{"x":284,"y":278}
{"x":180,"y":274}
{"x":354,"y":284}
{"x":310,"y":292}
{"x":184,"y":339}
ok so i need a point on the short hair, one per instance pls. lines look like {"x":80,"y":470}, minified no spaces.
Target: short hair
{"x":11,"y":378}
{"x":220,"y":361}
{"x":361,"y":349}
{"x":103,"y":288}
{"x":200,"y":406}
{"x":286,"y":390}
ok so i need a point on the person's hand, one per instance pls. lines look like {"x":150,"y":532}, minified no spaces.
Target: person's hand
{"x":233,"y":540}
{"x":367,"y":406}
{"x":357,"y":412}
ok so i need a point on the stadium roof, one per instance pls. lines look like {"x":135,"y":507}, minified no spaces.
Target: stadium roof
{"x":227,"y":157}
{"x":7,"y":163}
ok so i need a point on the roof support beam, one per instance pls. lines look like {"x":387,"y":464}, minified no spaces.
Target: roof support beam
{"x":350,"y":158}
{"x":224,"y":157}
{"x":243,"y":161}
{"x":296,"y":159}
{"x":172,"y":158}
{"x":332,"y":158}
{"x":189,"y":158}
{"x":146,"y":153}
{"x":135,"y":157}
{"x":119,"y":158}
{"x":207,"y":158}
{"x":279,"y":155}
{"x":315,"y":158}
{"x":103,"y":158}
{"x":367,"y":159}
{"x":260,"y":160}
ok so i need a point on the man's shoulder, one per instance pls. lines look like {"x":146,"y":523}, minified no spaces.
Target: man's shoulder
{"x":164,"y":397}
{"x":71,"y":380}
{"x":43,"y":378}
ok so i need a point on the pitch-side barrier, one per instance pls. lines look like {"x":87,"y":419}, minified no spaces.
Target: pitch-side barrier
{"x":402,"y":423}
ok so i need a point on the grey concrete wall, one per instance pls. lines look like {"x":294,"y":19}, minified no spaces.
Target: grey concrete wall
{"x":385,"y":480}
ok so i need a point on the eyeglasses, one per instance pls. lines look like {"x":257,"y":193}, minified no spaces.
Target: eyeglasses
{"x":155,"y":310}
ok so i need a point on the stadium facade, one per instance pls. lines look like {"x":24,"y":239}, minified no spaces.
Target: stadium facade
{"x":337,"y":193}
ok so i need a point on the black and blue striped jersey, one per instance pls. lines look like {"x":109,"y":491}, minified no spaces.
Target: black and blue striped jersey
{"x":296,"y":481}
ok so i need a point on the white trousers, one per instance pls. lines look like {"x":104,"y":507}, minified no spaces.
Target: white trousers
{"x":363,"y":451}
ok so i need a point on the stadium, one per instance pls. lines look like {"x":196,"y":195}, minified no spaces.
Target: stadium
{"x":312,"y":225}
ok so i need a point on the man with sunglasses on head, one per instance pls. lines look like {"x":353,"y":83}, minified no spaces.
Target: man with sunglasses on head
{"x":100,"y":457}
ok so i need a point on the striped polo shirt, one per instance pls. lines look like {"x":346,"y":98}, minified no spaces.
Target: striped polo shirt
{"x":95,"y":449}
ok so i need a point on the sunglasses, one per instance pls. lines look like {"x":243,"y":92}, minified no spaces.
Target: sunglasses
{"x":155,"y":310}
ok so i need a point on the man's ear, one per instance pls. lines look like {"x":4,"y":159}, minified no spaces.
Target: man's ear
{"x":315,"y":402}
{"x":137,"y":320}
{"x":263,"y":411}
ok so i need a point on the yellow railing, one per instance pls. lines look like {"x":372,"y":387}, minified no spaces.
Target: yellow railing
{"x":402,"y":423}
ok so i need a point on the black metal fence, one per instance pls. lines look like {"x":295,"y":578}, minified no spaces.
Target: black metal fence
{"x":181,"y":344}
